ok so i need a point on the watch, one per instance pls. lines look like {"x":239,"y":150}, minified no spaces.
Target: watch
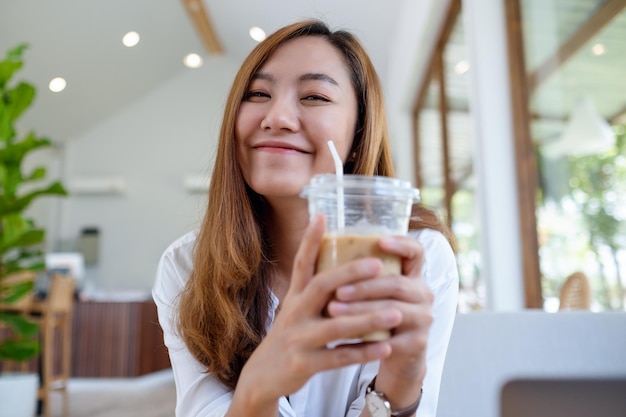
{"x":379,"y":406}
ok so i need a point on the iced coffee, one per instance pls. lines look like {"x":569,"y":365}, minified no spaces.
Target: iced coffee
{"x":338,"y":250}
{"x":359,"y":210}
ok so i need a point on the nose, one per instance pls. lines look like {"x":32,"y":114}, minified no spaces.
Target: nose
{"x":282,"y":115}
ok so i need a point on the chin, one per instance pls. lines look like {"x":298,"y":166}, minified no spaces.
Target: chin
{"x":285,"y":186}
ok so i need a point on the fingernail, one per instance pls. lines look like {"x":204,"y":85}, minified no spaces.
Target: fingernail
{"x":389,"y":242}
{"x":370,"y":266}
{"x":336,"y":307}
{"x":345,"y":292}
{"x":391,"y":317}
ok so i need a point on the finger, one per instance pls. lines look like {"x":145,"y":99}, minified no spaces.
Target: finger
{"x":346,"y":355}
{"x":353,"y":327}
{"x":304,"y":262}
{"x":322,"y":288}
{"x":413,"y":316}
{"x":392,"y":287}
{"x":409,"y":249}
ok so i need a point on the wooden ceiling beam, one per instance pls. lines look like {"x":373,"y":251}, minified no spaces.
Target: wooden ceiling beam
{"x":603,"y":15}
{"x":202,"y":23}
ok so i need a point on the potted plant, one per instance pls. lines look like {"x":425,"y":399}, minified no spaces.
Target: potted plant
{"x":21,"y":255}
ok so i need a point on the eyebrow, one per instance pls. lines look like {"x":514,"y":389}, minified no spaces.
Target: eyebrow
{"x":318,"y":77}
{"x":304,"y":77}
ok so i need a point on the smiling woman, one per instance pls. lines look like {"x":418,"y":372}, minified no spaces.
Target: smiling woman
{"x":244,"y":312}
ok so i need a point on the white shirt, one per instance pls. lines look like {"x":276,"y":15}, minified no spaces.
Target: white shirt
{"x":334,"y":393}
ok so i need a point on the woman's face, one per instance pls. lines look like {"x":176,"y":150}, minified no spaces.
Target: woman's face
{"x":299,"y":99}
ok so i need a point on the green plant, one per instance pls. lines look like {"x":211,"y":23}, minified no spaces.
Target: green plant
{"x":20,"y":238}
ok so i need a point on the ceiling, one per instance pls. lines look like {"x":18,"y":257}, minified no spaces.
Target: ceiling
{"x":80,"y":40}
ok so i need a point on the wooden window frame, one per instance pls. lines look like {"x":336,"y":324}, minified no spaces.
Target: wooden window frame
{"x":436,"y":70}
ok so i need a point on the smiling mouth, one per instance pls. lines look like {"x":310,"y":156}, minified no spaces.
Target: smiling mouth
{"x":278,"y":149}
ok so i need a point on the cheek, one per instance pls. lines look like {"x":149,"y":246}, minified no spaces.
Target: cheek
{"x":242,"y":131}
{"x":342,"y":129}
{"x":243,"y":123}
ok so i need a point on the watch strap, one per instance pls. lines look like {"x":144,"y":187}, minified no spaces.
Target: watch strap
{"x":405,"y":412}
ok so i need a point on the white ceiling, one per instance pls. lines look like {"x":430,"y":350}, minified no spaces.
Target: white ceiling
{"x":80,"y":40}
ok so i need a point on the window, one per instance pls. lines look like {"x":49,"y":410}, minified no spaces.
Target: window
{"x":573,"y":60}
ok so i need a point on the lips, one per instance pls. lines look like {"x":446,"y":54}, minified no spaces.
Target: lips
{"x":279,"y":146}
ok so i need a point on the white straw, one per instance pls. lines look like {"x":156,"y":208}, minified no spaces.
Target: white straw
{"x":339,"y":173}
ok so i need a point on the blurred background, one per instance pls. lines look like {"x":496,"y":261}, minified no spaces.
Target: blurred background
{"x":509,"y":115}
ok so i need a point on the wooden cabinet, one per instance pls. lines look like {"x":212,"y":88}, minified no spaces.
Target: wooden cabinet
{"x":117,"y":339}
{"x":110,"y":340}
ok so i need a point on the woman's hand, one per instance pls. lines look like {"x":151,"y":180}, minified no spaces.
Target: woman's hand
{"x":295,"y":347}
{"x":400,"y":374}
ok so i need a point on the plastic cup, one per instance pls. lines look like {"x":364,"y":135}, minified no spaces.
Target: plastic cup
{"x":373,"y":207}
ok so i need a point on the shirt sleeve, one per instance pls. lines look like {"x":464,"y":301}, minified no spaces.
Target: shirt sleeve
{"x":198,"y":393}
{"x":441,"y":275}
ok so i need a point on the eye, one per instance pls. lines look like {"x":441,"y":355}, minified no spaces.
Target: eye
{"x":316,"y":97}
{"x":256,"y":96}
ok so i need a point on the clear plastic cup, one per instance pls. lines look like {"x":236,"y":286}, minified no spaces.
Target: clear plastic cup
{"x":359,"y":210}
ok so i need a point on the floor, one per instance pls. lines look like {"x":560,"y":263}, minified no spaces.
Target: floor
{"x":153,"y":395}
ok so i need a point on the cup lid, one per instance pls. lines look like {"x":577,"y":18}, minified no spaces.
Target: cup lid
{"x":324,"y":183}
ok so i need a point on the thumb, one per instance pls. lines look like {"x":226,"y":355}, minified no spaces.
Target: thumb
{"x":306,"y":257}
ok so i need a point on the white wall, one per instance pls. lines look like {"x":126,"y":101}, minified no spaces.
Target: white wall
{"x":151,"y":144}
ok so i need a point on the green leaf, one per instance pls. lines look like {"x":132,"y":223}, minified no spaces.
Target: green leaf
{"x":8,"y":205}
{"x":20,"y":324}
{"x":18,"y":232}
{"x":10,"y":293}
{"x":31,"y":261}
{"x":14,"y":225}
{"x":36,"y":174}
{"x":18,"y":150}
{"x":18,"y":350}
{"x":15,"y":54}
{"x":19,"y":99}
{"x":7,"y":69}
{"x":28,"y":238}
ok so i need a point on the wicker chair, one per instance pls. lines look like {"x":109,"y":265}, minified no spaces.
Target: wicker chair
{"x":575,"y":293}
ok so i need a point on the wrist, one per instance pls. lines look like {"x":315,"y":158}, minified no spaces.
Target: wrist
{"x":379,"y":405}
{"x":401,"y":390}
{"x":250,"y":396}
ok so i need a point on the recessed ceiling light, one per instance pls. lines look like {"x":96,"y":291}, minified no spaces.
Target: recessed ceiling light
{"x":57,"y":84}
{"x":598,"y":49}
{"x":257,"y":33}
{"x":462,"y":67}
{"x":130,"y":39}
{"x":193,"y":60}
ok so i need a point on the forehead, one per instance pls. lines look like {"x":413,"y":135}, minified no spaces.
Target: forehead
{"x":307,"y":54}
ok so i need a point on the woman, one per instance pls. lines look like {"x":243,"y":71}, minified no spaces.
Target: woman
{"x":239,"y":301}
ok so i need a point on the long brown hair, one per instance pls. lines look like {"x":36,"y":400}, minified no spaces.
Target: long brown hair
{"x":225,"y":305}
